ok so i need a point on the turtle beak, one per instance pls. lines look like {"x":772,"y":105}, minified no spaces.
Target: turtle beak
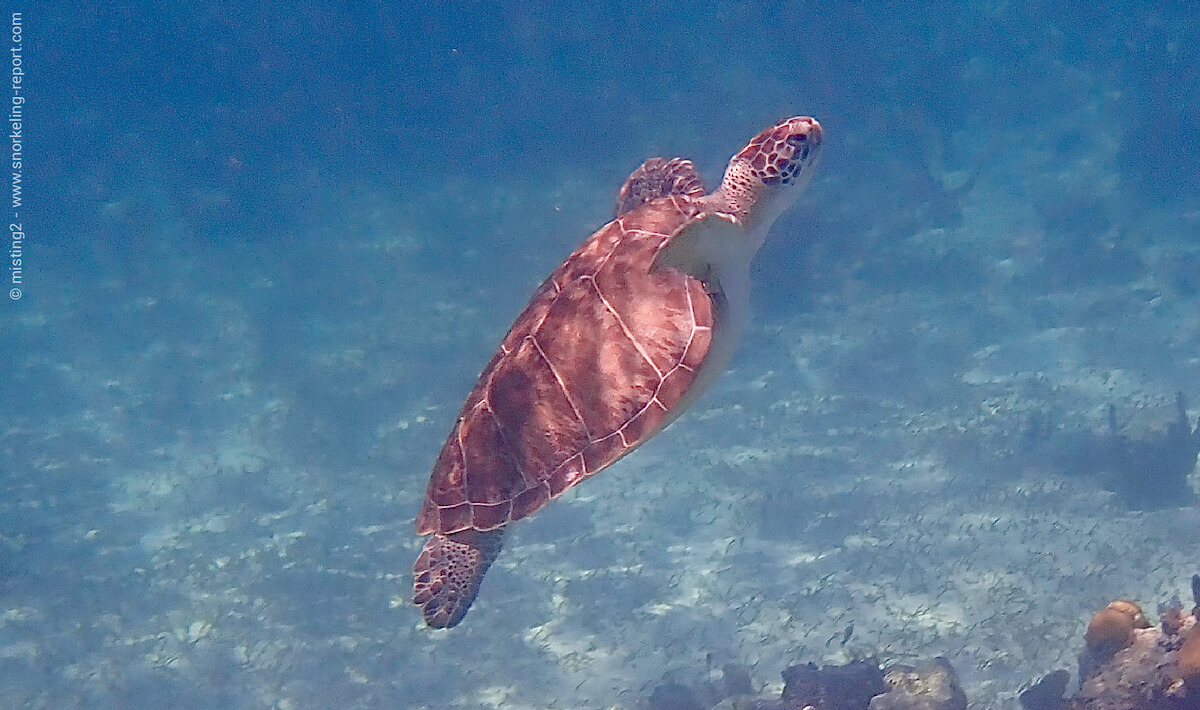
{"x":810,"y":138}
{"x":809,"y":143}
{"x":815,"y":134}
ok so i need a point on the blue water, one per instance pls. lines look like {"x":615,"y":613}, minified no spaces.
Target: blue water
{"x":268,"y":250}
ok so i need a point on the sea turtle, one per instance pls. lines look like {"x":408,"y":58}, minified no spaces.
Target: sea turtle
{"x":613,"y":346}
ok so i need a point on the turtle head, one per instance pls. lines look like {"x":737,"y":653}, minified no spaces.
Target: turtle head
{"x":767,"y":176}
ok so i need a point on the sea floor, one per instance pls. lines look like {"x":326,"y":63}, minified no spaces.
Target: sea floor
{"x":209,"y":499}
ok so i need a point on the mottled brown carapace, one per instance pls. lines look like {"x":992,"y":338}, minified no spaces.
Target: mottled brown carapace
{"x":594,"y":364}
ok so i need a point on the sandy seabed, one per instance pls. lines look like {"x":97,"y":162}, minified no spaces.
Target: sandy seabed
{"x":927,"y":464}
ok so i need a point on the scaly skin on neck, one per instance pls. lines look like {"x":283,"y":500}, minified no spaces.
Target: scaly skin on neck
{"x":754,"y":204}
{"x":763,"y":180}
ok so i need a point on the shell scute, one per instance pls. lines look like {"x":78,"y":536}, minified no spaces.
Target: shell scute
{"x":602,"y":452}
{"x":489,"y":517}
{"x":653,"y":309}
{"x":568,"y":474}
{"x":530,"y":500}
{"x":455,"y":517}
{"x":602,"y":370}
{"x":674,"y":385}
{"x":489,"y":473}
{"x":538,"y":420}
{"x":644,"y":423}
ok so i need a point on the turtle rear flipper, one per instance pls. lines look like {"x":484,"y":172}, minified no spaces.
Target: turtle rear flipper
{"x":449,"y":571}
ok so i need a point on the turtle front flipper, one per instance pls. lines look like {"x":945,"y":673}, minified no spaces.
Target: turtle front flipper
{"x":448,"y":573}
{"x":659,"y":177}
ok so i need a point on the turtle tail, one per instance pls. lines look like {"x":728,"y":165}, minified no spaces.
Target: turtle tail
{"x":448,"y":573}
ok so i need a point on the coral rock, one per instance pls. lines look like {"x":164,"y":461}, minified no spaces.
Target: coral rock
{"x":1188,"y":658}
{"x":931,"y":687}
{"x":1172,"y":621}
{"x":1151,"y":672}
{"x":1111,"y":629}
{"x":1048,"y":693}
{"x":1129,"y":664}
{"x":848,"y":687}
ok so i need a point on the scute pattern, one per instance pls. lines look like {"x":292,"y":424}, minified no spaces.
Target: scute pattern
{"x":538,"y":419}
{"x":592,"y":368}
{"x":777,"y":154}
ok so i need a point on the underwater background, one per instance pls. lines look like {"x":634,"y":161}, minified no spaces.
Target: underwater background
{"x":269,"y":249}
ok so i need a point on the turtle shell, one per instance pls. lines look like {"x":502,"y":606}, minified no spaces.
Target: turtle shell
{"x":593,"y":366}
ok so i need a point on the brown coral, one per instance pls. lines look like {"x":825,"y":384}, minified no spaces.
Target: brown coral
{"x":1172,"y":620}
{"x":1111,"y":629}
{"x":1188,"y":659}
